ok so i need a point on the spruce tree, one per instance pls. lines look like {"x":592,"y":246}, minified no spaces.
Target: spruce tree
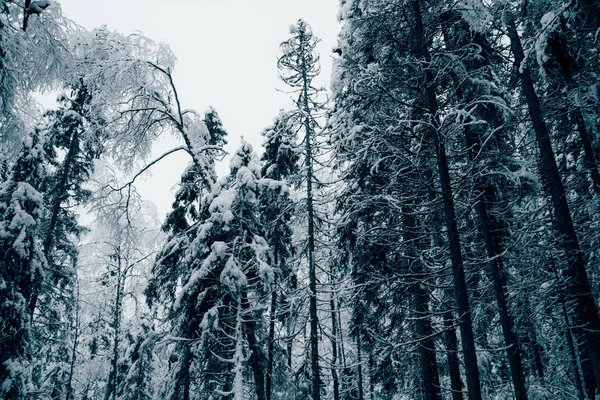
{"x":22,"y":264}
{"x":298,"y":66}
{"x":280,"y":167}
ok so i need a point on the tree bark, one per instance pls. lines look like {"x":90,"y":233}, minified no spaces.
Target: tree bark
{"x":60,"y":191}
{"x":70,"y":394}
{"x":361,"y":395}
{"x":588,"y":151}
{"x":571,"y":346}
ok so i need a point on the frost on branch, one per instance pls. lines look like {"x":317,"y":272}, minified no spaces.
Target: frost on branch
{"x":130,"y":86}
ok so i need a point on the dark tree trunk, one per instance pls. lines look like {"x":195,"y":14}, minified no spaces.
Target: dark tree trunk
{"x":334,"y":345}
{"x":492,"y":230}
{"x":586,"y":363}
{"x":426,"y":346}
{"x":26,"y":14}
{"x":576,"y":280}
{"x":500,"y":291}
{"x":256,"y":352}
{"x":371,"y":382}
{"x":429,"y":370}
{"x":588,"y":150}
{"x":70,"y":395}
{"x":361,"y":395}
{"x":59,"y":195}
{"x":460,"y":285}
{"x":573,"y":355}
{"x":452,"y":354}
{"x":113,"y":378}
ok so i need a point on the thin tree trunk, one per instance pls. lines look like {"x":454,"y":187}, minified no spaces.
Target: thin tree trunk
{"x":256,"y":353}
{"x":513,"y":351}
{"x":269,"y":381}
{"x":112,"y":385}
{"x":460,"y":285}
{"x":26,"y":14}
{"x":334,"y":346}
{"x":586,"y":363}
{"x":574,"y":366}
{"x":59,"y":192}
{"x":70,"y":395}
{"x":426,"y":345}
{"x":588,"y":151}
{"x":429,"y":370}
{"x":576,"y":282}
{"x":361,"y":395}
{"x":452,"y":354}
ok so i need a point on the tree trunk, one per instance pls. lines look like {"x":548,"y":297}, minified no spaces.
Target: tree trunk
{"x":361,"y":395}
{"x":334,"y":346}
{"x":112,"y":385}
{"x":492,"y":230}
{"x":269,"y":380}
{"x":26,"y":15}
{"x":70,"y":394}
{"x":577,"y":283}
{"x":426,"y":346}
{"x":256,"y":354}
{"x":571,"y":346}
{"x":588,"y":151}
{"x":460,"y":285}
{"x":513,"y":351}
{"x":59,"y":191}
{"x":452,"y":354}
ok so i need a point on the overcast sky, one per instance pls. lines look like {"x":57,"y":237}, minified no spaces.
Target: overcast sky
{"x":226,"y":57}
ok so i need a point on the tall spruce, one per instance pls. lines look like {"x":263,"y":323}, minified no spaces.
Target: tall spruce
{"x":298,"y":66}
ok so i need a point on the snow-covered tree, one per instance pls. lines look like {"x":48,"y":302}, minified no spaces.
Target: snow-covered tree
{"x":279,"y":168}
{"x":217,"y":312}
{"x":298,"y":66}
{"x":34,"y":54}
{"x":22,"y":264}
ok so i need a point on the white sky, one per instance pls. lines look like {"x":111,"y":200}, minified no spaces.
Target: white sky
{"x":226,"y":57}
